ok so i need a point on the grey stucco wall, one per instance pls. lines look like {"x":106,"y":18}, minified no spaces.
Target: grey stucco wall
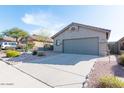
{"x":82,"y":33}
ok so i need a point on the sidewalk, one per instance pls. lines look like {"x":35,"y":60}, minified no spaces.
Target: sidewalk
{"x":11,"y":77}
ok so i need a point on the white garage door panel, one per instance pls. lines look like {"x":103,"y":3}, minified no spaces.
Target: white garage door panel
{"x":81,"y":46}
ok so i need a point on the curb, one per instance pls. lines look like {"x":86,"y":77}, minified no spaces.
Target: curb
{"x":85,"y":84}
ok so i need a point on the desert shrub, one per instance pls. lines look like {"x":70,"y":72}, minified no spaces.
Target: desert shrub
{"x":40,"y":53}
{"x":29,"y":46}
{"x":34,"y":52}
{"x":121,"y":59}
{"x":110,"y":82}
{"x":12,"y":53}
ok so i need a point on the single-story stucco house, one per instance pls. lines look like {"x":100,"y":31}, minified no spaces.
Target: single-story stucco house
{"x":82,"y":39}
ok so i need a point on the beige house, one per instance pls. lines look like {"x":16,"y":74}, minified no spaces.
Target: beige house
{"x":82,"y":39}
{"x":7,"y":39}
{"x":38,"y":43}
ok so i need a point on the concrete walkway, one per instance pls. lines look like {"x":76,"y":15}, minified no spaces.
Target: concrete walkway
{"x":11,"y":77}
{"x":62,"y":70}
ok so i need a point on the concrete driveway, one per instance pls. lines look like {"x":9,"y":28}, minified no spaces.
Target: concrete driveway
{"x":62,"y":70}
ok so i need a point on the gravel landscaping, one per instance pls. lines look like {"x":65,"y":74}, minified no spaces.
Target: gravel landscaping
{"x":25,"y":57}
{"x":104,"y":67}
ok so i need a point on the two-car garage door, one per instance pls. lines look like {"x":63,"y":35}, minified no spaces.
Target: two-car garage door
{"x":81,"y":46}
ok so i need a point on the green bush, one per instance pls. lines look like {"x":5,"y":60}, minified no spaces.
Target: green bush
{"x":121,"y":59}
{"x":29,"y":46}
{"x":12,"y":53}
{"x":110,"y":82}
{"x":39,"y":53}
{"x":34,"y":52}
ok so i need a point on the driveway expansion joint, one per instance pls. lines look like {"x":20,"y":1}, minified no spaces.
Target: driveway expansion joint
{"x":64,"y":71}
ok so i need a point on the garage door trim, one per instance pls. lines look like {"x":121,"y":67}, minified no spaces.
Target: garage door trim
{"x":77,"y":39}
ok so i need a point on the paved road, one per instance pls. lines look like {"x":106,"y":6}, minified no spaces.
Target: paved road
{"x":62,"y":70}
{"x":11,"y":77}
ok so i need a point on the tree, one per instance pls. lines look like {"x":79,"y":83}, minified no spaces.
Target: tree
{"x":43,"y":34}
{"x":16,"y":33}
{"x":1,"y":36}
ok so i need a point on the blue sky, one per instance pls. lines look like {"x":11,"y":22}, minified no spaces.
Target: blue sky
{"x":50,"y":19}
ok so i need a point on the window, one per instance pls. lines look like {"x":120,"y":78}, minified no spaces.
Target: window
{"x":9,"y":43}
{"x":13,"y":43}
{"x":74,"y":28}
{"x":57,"y":42}
{"x":5,"y":43}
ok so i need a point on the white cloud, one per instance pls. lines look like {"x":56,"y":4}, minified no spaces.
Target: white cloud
{"x":41,"y":31}
{"x":48,"y":31}
{"x":38,"y":19}
{"x":45,"y":21}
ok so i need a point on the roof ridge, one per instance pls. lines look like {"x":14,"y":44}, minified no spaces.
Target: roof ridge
{"x":88,"y":26}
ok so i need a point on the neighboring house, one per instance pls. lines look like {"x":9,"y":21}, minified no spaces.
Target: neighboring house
{"x":35,"y":39}
{"x":82,"y":39}
{"x":7,"y":39}
{"x":120,"y":45}
{"x":117,"y":47}
{"x":113,"y":47}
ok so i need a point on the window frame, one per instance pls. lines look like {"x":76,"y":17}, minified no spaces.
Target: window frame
{"x":58,"y":43}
